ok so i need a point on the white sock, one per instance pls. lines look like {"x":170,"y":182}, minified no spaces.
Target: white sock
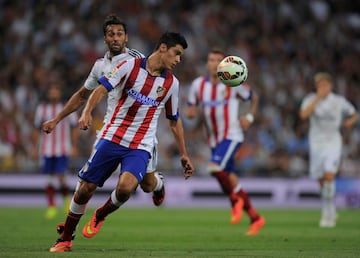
{"x":51,"y":180}
{"x":159,"y":183}
{"x":77,"y":208}
{"x":114,"y":200}
{"x":328,"y":196}
{"x":237,"y":188}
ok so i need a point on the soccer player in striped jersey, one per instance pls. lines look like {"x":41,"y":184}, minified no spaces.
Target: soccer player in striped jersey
{"x":144,"y":87}
{"x":115,"y":37}
{"x":220,"y":105}
{"x":328,"y":113}
{"x":56,"y":148}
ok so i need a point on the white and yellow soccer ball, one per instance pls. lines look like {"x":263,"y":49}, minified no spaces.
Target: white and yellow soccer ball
{"x":232,"y":71}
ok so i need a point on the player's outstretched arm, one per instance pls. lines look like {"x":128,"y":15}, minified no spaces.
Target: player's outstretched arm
{"x":74,"y":103}
{"x":178,"y":132}
{"x":248,"y":119}
{"x":94,"y":99}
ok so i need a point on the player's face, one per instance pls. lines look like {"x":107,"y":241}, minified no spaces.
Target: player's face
{"x":323,"y":86}
{"x":115,"y":38}
{"x":212,"y":62}
{"x":171,"y":56}
{"x":54,"y":95}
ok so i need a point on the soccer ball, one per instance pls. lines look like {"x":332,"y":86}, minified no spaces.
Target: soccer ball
{"x":232,"y":71}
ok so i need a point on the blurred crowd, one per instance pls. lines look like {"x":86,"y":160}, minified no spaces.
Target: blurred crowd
{"x":283,"y":42}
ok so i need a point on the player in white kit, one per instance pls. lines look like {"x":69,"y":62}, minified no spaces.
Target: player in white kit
{"x":328,"y":113}
{"x":116,"y":37}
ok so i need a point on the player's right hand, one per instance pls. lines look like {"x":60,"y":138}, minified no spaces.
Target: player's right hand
{"x":85,"y":121}
{"x":188,"y":168}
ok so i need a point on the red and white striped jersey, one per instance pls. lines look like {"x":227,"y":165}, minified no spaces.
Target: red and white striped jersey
{"x":102,"y":67}
{"x":220,"y":108}
{"x":140,"y":99}
{"x":58,"y":142}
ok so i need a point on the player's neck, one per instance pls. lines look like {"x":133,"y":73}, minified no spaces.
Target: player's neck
{"x":153,"y":66}
{"x":214,"y":79}
{"x":112,"y":53}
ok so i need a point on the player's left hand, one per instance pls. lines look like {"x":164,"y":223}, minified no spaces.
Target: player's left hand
{"x":188,"y":168}
{"x":244,"y":123}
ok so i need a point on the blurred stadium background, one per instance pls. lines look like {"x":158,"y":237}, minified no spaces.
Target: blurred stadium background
{"x":283,"y":43}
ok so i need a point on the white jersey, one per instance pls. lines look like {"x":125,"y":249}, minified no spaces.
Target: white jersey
{"x":58,"y":143}
{"x":104,"y":66}
{"x":327,"y":117}
{"x":220,"y":107}
{"x":140,"y":99}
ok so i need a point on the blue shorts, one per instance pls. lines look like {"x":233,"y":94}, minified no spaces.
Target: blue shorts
{"x":223,"y":154}
{"x":55,"y":165}
{"x":106,"y":157}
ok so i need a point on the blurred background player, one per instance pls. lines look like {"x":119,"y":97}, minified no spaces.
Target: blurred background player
{"x":115,"y":37}
{"x":56,"y":148}
{"x":220,"y":106}
{"x":328,"y":113}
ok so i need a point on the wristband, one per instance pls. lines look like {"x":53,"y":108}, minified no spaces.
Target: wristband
{"x":249,"y":117}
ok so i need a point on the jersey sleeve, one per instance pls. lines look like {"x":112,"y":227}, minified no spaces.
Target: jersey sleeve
{"x":117,"y":75}
{"x":243,"y":91}
{"x":348,"y":109}
{"x":92,"y":80}
{"x":135,"y":53}
{"x":193,"y":92}
{"x":172,"y":104}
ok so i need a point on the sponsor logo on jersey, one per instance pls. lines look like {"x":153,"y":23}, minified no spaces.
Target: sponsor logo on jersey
{"x":142,"y":98}
{"x":215,"y":103}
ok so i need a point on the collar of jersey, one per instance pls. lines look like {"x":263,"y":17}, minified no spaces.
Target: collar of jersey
{"x":114,"y":58}
{"x":143,"y":65}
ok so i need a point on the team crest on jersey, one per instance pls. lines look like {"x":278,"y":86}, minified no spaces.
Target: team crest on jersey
{"x":160,"y":90}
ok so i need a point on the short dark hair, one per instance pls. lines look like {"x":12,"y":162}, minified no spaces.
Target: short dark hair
{"x":113,"y":19}
{"x":171,"y":39}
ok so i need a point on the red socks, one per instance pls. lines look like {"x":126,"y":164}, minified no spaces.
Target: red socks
{"x":224,"y":181}
{"x":50,"y":194}
{"x":247,"y":205}
{"x":71,"y":222}
{"x":106,"y":209}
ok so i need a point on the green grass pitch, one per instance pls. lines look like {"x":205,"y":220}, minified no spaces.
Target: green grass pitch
{"x":165,"y":232}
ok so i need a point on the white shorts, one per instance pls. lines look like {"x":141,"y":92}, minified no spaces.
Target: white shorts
{"x":153,"y":161}
{"x":324,"y":159}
